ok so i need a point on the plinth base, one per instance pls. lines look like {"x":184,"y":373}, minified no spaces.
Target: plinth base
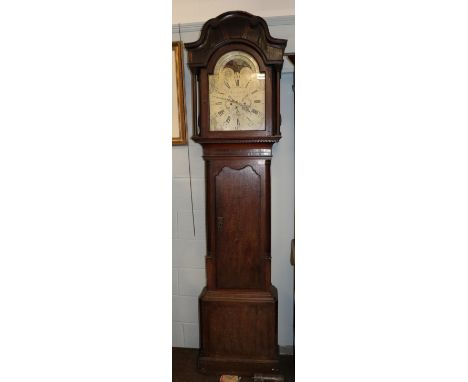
{"x":238,"y":332}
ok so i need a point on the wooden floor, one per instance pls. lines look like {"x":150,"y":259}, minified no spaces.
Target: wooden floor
{"x":184,"y":367}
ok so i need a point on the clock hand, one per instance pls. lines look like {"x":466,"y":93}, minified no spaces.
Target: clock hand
{"x":242,"y":105}
{"x":224,"y":99}
{"x":230,"y":99}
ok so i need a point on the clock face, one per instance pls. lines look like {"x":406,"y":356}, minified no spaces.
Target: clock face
{"x":237,"y":94}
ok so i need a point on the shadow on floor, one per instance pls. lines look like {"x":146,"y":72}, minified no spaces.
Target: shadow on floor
{"x":184,"y":367}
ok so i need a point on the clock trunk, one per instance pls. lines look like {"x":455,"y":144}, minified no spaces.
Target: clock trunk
{"x":239,"y":306}
{"x":238,"y":227}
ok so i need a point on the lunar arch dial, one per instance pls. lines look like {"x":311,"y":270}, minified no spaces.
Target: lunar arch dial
{"x":237,"y":94}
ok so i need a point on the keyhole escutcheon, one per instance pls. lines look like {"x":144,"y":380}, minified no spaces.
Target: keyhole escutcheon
{"x":219,"y":223}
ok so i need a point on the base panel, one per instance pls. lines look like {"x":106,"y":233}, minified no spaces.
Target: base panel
{"x":238,"y":332}
{"x":243,"y":367}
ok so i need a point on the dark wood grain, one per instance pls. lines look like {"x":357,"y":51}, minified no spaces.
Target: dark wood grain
{"x":239,"y":260}
{"x":231,"y":27}
{"x":238,"y":309}
{"x":242,"y":197}
{"x":237,"y":31}
{"x":239,"y":331}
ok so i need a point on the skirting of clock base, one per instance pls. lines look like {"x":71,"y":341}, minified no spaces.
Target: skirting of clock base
{"x":243,"y":367}
{"x":238,"y":331}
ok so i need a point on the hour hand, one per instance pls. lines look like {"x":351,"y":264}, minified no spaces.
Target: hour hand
{"x":222,"y":98}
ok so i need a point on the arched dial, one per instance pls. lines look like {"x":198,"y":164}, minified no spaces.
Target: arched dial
{"x":237,"y":94}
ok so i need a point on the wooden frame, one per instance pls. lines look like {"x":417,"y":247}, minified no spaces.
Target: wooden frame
{"x":179,"y":124}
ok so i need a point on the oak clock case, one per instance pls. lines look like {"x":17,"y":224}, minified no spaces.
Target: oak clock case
{"x":236,"y":66}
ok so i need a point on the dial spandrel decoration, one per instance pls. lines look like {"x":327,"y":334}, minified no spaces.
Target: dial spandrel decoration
{"x":237,"y":94}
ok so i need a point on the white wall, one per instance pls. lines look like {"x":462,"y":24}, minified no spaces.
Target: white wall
{"x":189,"y":11}
{"x":189,"y":245}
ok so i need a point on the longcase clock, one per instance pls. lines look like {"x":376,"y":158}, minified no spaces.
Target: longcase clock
{"x":236,"y":67}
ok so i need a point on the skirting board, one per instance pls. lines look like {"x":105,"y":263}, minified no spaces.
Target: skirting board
{"x":286,"y":350}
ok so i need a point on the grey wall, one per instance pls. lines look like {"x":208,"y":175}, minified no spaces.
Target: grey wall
{"x":189,"y":244}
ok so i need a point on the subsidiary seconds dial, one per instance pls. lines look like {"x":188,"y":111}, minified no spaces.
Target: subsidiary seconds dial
{"x":237,"y":94}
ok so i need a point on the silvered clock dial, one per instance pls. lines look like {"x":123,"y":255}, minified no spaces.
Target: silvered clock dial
{"x":237,"y":93}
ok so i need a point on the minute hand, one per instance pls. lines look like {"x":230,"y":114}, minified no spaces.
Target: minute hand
{"x":242,"y":105}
